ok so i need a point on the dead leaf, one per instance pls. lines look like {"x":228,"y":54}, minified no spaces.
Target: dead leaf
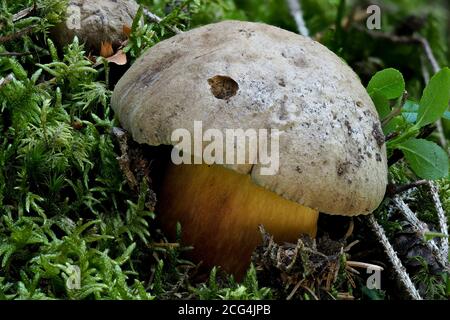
{"x":92,"y":58}
{"x":106,"y":49}
{"x":120,"y":58}
{"x":126,"y":30}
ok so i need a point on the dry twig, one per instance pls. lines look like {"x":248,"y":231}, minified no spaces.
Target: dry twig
{"x":14,"y":54}
{"x":419,"y":227}
{"x":18,"y":34}
{"x":296,"y":11}
{"x":443,"y":251}
{"x":364,"y":265}
{"x":393,"y":190}
{"x":23,"y":13}
{"x":154,"y":18}
{"x":124,"y":160}
{"x":402,"y":274}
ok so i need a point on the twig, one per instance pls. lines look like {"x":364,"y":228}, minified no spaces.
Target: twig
{"x":393,"y":190}
{"x":418,"y":226}
{"x":364,"y":265}
{"x":443,"y":252}
{"x":429,"y":54}
{"x":398,"y":266}
{"x":345,"y":296}
{"x":297,"y":286}
{"x":18,"y":34}
{"x":391,"y":135}
{"x":296,"y":11}
{"x":351,"y":245}
{"x":154,"y":18}
{"x":311,"y":292}
{"x":163,"y":245}
{"x":406,"y":40}
{"x":390,"y":37}
{"x":23,"y":13}
{"x":350,"y":229}
{"x":354,"y":271}
{"x":425,"y":72}
{"x":14,"y":54}
{"x":124,"y":160}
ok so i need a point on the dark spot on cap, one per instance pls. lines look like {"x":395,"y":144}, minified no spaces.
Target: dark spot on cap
{"x":247,"y":33}
{"x":378,"y":134}
{"x":334,"y":116}
{"x":342,"y":168}
{"x":299,"y":62}
{"x":223,"y":87}
{"x":349,"y":127}
{"x":378,"y":157}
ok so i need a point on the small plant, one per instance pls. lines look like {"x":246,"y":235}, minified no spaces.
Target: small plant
{"x":148,"y":29}
{"x":406,"y":120}
{"x":230,"y":290}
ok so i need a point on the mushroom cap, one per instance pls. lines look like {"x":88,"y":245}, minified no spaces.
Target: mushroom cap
{"x":249,"y":75}
{"x":99,"y":21}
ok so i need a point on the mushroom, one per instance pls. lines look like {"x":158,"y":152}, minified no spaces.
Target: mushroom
{"x":332,"y":156}
{"x":95,"y":22}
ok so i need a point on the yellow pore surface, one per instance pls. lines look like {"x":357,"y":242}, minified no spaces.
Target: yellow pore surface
{"x":220,"y":210}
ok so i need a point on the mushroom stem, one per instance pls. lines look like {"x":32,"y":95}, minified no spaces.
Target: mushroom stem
{"x":220,"y":210}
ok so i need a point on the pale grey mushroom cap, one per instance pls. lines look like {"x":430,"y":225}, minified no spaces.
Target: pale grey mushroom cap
{"x":100,"y":20}
{"x":332,"y":151}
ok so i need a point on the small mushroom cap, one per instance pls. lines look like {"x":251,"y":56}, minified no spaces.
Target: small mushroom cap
{"x":99,"y":21}
{"x":255,"y":76}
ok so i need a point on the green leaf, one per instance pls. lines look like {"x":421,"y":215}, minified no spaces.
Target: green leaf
{"x":409,"y":111}
{"x":388,"y":82}
{"x":126,"y":254}
{"x":432,"y":235}
{"x":426,"y":158}
{"x":393,"y":125}
{"x":435,"y":98}
{"x":382,"y":105}
{"x":446,"y":115}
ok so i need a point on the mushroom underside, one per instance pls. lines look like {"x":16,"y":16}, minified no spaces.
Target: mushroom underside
{"x":220,"y":211}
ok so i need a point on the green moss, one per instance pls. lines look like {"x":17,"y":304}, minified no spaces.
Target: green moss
{"x":64,"y":204}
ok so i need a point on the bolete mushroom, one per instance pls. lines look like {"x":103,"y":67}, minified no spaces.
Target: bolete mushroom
{"x":95,"y":22}
{"x":243,"y":75}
